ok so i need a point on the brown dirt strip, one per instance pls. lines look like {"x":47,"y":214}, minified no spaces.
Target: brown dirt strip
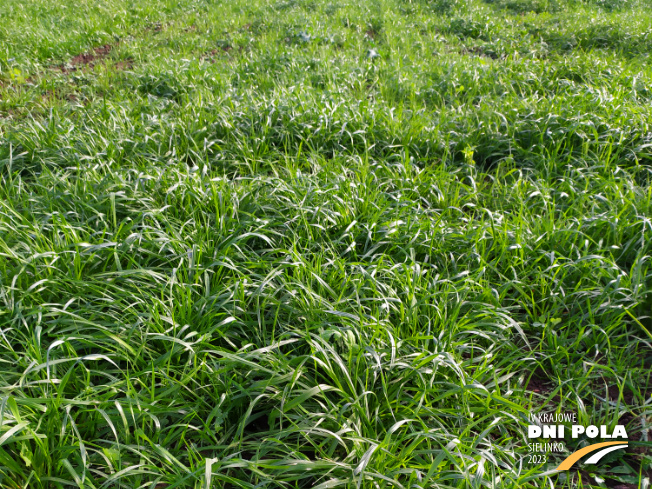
{"x":92,"y":58}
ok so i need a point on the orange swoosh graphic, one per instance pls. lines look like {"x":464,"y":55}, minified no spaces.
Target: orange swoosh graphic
{"x":574,"y":457}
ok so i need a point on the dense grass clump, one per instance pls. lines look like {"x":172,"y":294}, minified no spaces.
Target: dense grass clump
{"x":296,"y":244}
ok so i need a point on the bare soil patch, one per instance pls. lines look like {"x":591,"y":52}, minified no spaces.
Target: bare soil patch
{"x":88,"y":59}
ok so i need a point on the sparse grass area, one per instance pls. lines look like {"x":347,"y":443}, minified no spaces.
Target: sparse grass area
{"x":297,"y":244}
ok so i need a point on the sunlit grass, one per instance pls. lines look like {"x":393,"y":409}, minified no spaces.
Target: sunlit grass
{"x":322,"y":244}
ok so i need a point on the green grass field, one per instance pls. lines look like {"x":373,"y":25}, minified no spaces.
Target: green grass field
{"x":318,"y":244}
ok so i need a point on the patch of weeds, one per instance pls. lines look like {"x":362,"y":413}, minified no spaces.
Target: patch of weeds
{"x":17,"y":161}
{"x":409,"y":8}
{"x":17,"y":76}
{"x":300,"y":37}
{"x":155,"y":27}
{"x":258,"y":25}
{"x":612,"y":5}
{"x":163,"y":85}
{"x":332,"y":8}
{"x":374,"y":27}
{"x":442,"y":7}
{"x":485,"y":50}
{"x":319,"y":80}
{"x":464,"y":27}
{"x":437,"y":7}
{"x":524,"y":6}
{"x":614,"y":37}
{"x":560,"y":41}
{"x":285,"y":5}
